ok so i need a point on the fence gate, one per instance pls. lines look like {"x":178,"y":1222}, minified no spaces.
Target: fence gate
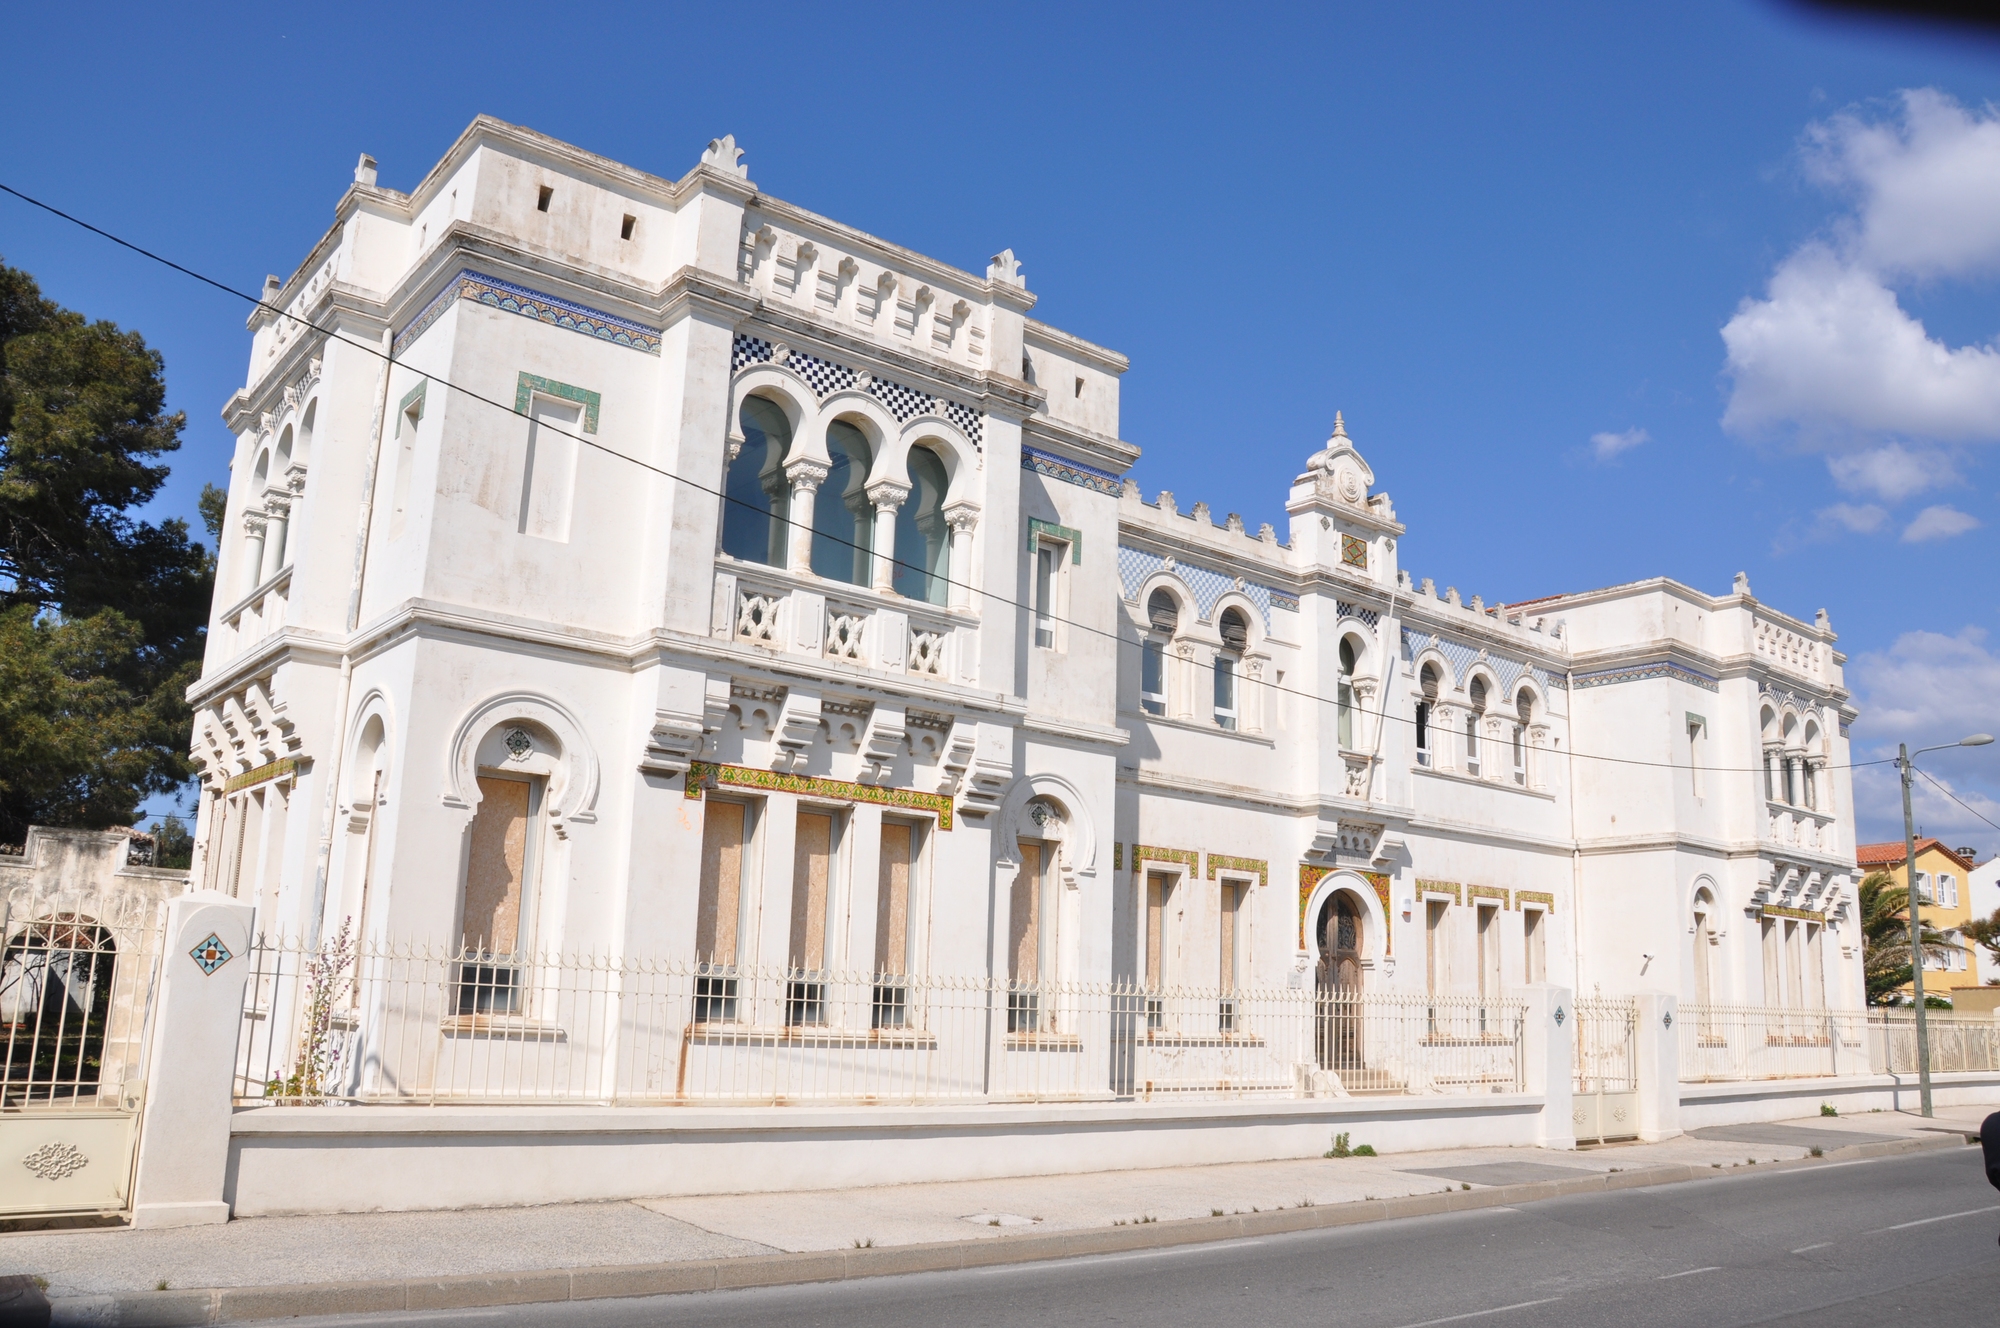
{"x":1606,"y":1102}
{"x":77,"y":977}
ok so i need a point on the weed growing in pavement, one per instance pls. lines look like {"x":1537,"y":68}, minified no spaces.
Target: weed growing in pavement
{"x":1818,"y":1152}
{"x":994,"y":1222}
{"x":869,"y":1243}
{"x":1340,"y":1148}
{"x":1828,"y":1109}
{"x":1464,"y":1185}
{"x":162,"y":1286}
{"x":1364,"y":1150}
{"x":1215,"y":1212}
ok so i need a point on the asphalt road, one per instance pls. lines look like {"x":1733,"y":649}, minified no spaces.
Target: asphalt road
{"x":1858,"y":1243}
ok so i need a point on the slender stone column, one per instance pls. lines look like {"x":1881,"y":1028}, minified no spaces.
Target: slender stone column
{"x":887,"y":498}
{"x":963,"y":521}
{"x":278,"y":507}
{"x":253,"y":550}
{"x":806,"y":477}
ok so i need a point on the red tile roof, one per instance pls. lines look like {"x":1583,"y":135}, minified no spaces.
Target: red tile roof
{"x":1891,"y":854}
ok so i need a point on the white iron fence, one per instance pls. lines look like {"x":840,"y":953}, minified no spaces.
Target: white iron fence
{"x":1727,"y":1043}
{"x":409,"y":1023}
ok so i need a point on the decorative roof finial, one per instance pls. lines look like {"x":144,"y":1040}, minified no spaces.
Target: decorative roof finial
{"x":1339,"y":426}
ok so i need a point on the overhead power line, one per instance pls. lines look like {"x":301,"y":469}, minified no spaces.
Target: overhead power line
{"x":993,"y":596}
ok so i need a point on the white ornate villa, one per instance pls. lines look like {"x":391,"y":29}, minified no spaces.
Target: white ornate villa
{"x":755,"y":625}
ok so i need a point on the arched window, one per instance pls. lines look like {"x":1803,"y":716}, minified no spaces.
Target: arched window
{"x":923,"y":538}
{"x":277,"y":541}
{"x":1768,"y":723}
{"x":1476,"y":695}
{"x":757,"y":499}
{"x":1810,"y":774}
{"x":1235,"y":636}
{"x":55,"y":997}
{"x":304,"y":452}
{"x":1163,"y":618}
{"x":1344,"y":693}
{"x":843,"y":518}
{"x":1704,"y":908}
{"x":1790,"y":784}
{"x":1427,"y":695}
{"x":1524,"y":713}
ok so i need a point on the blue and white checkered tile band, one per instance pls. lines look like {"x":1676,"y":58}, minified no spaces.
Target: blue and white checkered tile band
{"x":823,"y":376}
{"x":1135,"y":565}
{"x":1346,"y":610}
{"x":970,"y":422}
{"x":748,"y":350}
{"x":903,"y":402}
{"x":1462,"y":657}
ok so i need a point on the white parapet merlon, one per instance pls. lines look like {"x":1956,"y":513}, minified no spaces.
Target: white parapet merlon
{"x":184,"y":1132}
{"x":1547,"y":1060}
{"x":1656,"y":1049}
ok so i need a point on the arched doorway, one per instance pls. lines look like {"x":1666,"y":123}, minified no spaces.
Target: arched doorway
{"x":1338,"y":983}
{"x":55,"y":1005}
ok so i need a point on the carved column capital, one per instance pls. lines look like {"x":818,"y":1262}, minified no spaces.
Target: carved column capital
{"x":254,"y":523}
{"x":807,"y":474}
{"x":961,"y":517}
{"x":888,"y":495}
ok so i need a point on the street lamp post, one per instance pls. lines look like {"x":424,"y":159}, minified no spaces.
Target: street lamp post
{"x":1916,"y":920}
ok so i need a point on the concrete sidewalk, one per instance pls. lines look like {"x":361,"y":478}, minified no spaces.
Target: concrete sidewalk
{"x":509,"y":1255}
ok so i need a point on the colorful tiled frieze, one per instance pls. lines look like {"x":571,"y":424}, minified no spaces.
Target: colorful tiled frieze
{"x":1074,"y":538}
{"x":1186,"y":857}
{"x":1071,"y":472}
{"x":1380,"y":882}
{"x":1117,"y":857}
{"x":529,"y":384}
{"x":1451,"y":889}
{"x":1542,"y":897}
{"x":1802,"y":914}
{"x":1223,"y":862}
{"x":1473,"y":892}
{"x":703,"y":775}
{"x":1354,"y":551}
{"x":551,"y":309}
{"x":1663,"y":668}
{"x":1309,"y":878}
{"x":279,"y":769}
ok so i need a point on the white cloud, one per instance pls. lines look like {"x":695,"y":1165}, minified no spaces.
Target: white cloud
{"x":1939,"y":522}
{"x":1893,"y":471}
{"x":1830,"y":352}
{"x":1605,"y":446}
{"x":1828,"y":355}
{"x":1928,"y":689}
{"x":1928,"y":182}
{"x":1858,"y":520}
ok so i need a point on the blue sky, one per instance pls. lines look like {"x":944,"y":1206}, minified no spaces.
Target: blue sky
{"x":1488,"y":236}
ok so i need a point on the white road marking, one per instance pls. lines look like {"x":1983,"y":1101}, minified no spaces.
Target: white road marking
{"x":1926,"y":1221}
{"x":1688,"y":1272}
{"x":1478,"y":1314}
{"x":1803,"y":1248}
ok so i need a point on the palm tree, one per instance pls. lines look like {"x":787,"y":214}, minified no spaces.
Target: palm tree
{"x":1885,"y":938}
{"x":1986,"y":932}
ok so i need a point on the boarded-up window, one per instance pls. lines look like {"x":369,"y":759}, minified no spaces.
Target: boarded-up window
{"x":812,"y":871}
{"x":548,"y":471}
{"x":892,"y":898}
{"x":1489,"y":951}
{"x":1024,"y":918}
{"x":1437,"y":952}
{"x":1159,"y":893}
{"x":1232,"y":908}
{"x":723,"y":832}
{"x":496,"y":872}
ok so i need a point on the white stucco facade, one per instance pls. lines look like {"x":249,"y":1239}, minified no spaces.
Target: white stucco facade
{"x":505,"y":557}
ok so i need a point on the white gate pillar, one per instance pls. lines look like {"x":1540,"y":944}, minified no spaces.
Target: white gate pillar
{"x":1548,"y":1054}
{"x":1656,"y":1052}
{"x":184,"y":1132}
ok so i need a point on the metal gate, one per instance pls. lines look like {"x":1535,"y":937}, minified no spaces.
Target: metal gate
{"x":1606,"y":1102}
{"x":77,"y":977}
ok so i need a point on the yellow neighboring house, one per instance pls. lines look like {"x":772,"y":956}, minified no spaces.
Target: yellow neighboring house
{"x":1944,"y":891}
